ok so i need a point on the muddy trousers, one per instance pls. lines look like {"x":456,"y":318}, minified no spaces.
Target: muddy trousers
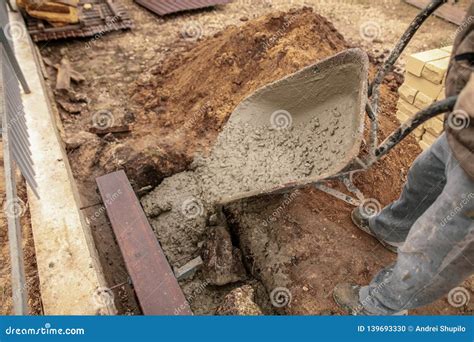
{"x":433,"y":223}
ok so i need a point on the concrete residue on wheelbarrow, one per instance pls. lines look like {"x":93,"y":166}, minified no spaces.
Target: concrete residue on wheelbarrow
{"x":292,"y":132}
{"x":252,"y":160}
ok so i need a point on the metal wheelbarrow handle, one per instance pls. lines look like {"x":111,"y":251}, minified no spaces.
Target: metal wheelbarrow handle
{"x":408,"y":126}
{"x":372,"y":107}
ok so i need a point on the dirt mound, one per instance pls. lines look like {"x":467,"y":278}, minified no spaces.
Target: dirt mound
{"x":190,"y":97}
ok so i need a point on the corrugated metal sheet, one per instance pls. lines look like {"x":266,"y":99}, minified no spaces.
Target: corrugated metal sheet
{"x":164,"y":7}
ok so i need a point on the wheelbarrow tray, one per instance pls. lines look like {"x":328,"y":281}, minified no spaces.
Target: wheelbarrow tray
{"x":330,"y":92}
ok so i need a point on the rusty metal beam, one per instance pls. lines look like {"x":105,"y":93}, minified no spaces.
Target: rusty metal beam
{"x":155,"y":284}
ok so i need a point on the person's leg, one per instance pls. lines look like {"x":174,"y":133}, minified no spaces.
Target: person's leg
{"x":425,"y":182}
{"x":438,"y":253}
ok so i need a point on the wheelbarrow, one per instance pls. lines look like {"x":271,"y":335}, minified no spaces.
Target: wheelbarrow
{"x":340,"y":82}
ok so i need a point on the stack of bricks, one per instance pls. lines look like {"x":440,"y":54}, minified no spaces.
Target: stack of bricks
{"x":424,"y":84}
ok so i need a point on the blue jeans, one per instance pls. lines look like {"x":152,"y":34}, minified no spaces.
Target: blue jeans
{"x":433,"y":223}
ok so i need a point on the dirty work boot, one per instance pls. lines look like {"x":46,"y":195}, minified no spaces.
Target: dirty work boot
{"x":347,"y":297}
{"x":362,"y":222}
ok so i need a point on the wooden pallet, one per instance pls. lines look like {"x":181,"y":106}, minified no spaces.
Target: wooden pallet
{"x":453,"y":14}
{"x":105,"y":16}
{"x":155,"y":284}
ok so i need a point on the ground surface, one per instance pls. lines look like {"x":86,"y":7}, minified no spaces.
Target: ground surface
{"x":176,"y":103}
{"x":32,"y":280}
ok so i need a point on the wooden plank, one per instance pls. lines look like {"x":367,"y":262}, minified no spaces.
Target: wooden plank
{"x":448,"y":12}
{"x":64,"y":75}
{"x":156,"y":287}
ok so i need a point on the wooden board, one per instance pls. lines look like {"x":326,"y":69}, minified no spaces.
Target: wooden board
{"x":453,"y":14}
{"x":155,"y":284}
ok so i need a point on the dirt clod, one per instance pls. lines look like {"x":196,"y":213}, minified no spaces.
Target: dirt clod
{"x":240,"y":301}
{"x":222,"y":261}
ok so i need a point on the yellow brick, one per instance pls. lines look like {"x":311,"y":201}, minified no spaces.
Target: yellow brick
{"x":416,"y":62}
{"x":418,"y":132}
{"x":422,"y":101}
{"x":407,"y":108}
{"x":428,"y":88}
{"x":448,"y":49}
{"x":442,"y":95}
{"x":402,"y":116}
{"x":436,"y":70}
{"x":434,"y":126}
{"x":428,"y":138}
{"x":407,"y":93}
{"x":423,"y":145}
